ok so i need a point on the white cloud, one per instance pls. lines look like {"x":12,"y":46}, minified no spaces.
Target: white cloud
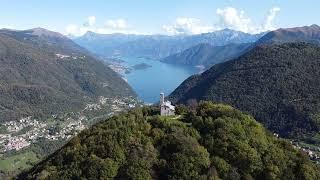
{"x":228,"y":17}
{"x":76,"y":30}
{"x":72,"y":29}
{"x":187,"y":26}
{"x":110,"y":26}
{"x":116,"y":24}
{"x":233,"y":18}
{"x":91,"y":20}
{"x":268,"y":24}
{"x":6,"y":27}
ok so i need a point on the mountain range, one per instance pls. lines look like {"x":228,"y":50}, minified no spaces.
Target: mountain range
{"x":158,"y":46}
{"x":207,"y":54}
{"x":43,"y":73}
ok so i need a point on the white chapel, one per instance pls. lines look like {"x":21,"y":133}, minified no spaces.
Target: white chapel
{"x":166,"y":108}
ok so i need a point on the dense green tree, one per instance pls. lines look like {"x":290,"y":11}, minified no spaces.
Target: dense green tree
{"x":214,"y":141}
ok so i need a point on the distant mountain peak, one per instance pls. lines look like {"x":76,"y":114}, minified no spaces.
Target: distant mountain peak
{"x":158,"y":46}
{"x":312,"y":27}
{"x":228,"y":30}
{"x":44,"y":32}
{"x":309,"y":34}
{"x":89,"y":33}
{"x":315,"y":26}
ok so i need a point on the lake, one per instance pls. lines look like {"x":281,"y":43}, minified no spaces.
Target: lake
{"x":160,"y":77}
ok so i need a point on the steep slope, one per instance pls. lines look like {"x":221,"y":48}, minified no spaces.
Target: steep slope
{"x":278,"y":84}
{"x":157,"y":46}
{"x":310,"y":34}
{"x":214,"y":142}
{"x":43,"y":73}
{"x":206,"y":54}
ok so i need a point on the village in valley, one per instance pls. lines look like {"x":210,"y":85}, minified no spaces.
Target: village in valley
{"x":20,"y":135}
{"x":16,"y":135}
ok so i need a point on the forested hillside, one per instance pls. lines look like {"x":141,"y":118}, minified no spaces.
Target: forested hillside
{"x":43,"y":73}
{"x":211,"y":142}
{"x":278,"y":84}
{"x":207,"y":55}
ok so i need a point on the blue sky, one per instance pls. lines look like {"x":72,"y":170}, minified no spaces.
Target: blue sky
{"x":157,"y":16}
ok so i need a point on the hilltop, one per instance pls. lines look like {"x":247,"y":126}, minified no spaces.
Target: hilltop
{"x":215,"y":141}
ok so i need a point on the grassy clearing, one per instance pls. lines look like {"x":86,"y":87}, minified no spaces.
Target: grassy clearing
{"x":18,"y":161}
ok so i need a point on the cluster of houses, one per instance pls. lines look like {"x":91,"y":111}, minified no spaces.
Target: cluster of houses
{"x":63,"y":56}
{"x":23,"y":132}
{"x":309,"y":151}
{"x":9,"y":141}
{"x":14,"y":139}
{"x":117,"y":104}
{"x":16,"y":143}
{"x":15,"y":126}
{"x":67,"y":132}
